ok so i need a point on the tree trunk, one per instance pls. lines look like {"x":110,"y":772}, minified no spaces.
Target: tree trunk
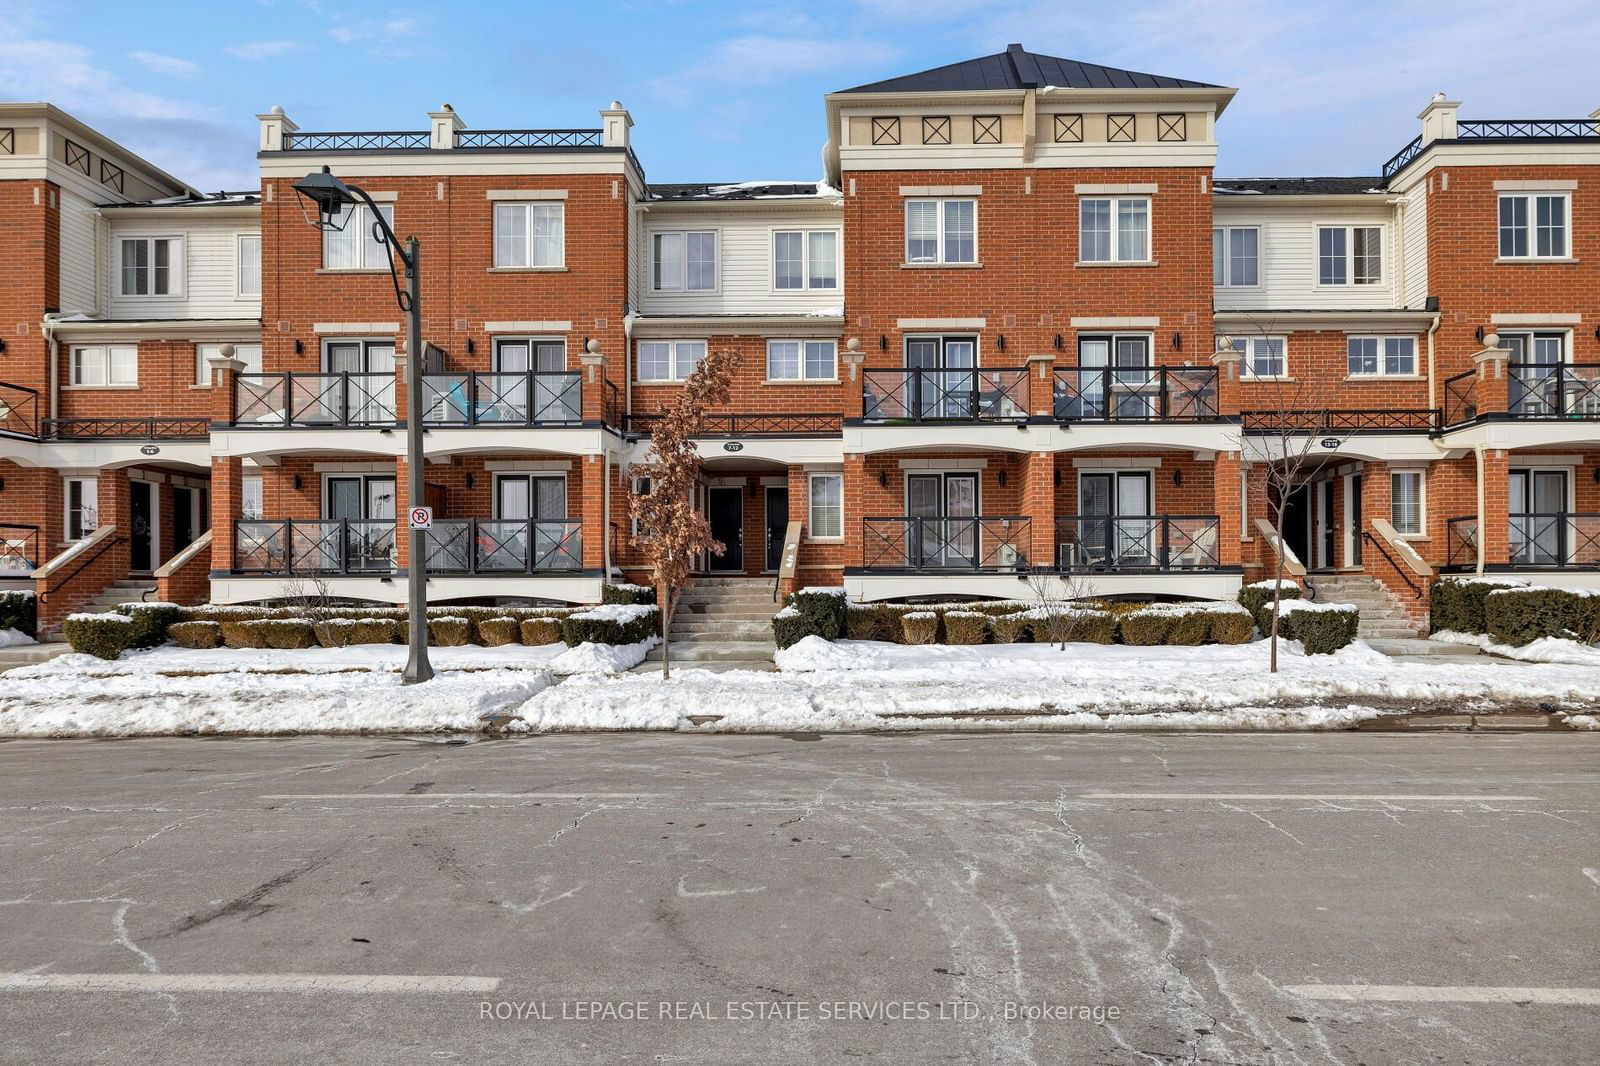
{"x":1277,"y":595}
{"x":670,"y":597}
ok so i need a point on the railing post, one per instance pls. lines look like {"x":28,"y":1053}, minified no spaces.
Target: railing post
{"x":593,"y":386}
{"x":1494,"y":382}
{"x":1166,"y":541}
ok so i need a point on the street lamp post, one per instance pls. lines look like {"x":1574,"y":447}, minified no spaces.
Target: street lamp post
{"x":331,"y":196}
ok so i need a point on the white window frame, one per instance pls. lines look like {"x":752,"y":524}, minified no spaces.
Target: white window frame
{"x":1421,"y":532}
{"x":1226,"y":281}
{"x":1115,"y":205}
{"x":177,"y":266}
{"x":675,"y":378}
{"x":239,"y":275}
{"x":1383,"y":355}
{"x":66,"y":509}
{"x":1531,"y":229}
{"x":682,"y":288}
{"x":811,"y":523}
{"x":1349,"y":229}
{"x":1246,"y":347}
{"x":241,"y":350}
{"x":803,"y":374}
{"x":943,"y":258}
{"x":360,"y":223}
{"x":528,"y":208}
{"x":102,"y":353}
{"x":805,"y":259}
{"x":245,"y":492}
{"x":635,"y":530}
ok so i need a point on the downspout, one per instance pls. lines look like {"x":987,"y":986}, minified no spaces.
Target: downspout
{"x":47,"y":326}
{"x":1477,"y":452}
{"x":605,"y":515}
{"x":1433,"y":387}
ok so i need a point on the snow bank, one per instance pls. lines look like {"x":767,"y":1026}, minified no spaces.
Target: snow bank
{"x":591,"y":658}
{"x":621,"y":613}
{"x":1543,"y":650}
{"x":1314,"y":607}
{"x":14,"y":638}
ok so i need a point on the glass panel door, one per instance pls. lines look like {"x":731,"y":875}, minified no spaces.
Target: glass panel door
{"x":555,"y":399}
{"x":923,"y":493}
{"x":1136,"y":385}
{"x":1135,"y":528}
{"x":961,"y":513}
{"x":1538,"y":502}
{"x":1094,"y":527}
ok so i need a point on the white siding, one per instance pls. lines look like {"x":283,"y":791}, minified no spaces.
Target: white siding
{"x":79,"y":255}
{"x":635,"y":226}
{"x":1416,"y":252}
{"x":210,"y":272}
{"x":1289,"y":256}
{"x":744,"y":264}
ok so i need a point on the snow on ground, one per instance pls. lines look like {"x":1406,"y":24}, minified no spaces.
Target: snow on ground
{"x":14,"y":638}
{"x":1543,"y":650}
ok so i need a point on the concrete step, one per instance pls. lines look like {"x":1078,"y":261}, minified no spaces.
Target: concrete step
{"x":716,"y":651}
{"x":732,"y":582}
{"x":767,"y":666}
{"x":720,"y":611}
{"x":736,"y":631}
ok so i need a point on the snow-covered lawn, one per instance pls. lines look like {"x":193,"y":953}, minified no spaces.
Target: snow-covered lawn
{"x":1543,"y":650}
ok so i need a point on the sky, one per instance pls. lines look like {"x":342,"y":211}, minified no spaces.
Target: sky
{"x":732,"y":91}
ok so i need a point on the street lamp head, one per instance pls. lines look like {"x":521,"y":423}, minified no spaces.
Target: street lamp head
{"x":329,"y":195}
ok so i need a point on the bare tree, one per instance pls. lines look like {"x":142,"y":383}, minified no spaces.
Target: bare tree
{"x":311,"y":597}
{"x":672,"y":532}
{"x":1056,"y":593}
{"x":1295,"y":427}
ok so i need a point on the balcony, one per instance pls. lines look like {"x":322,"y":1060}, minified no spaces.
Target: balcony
{"x":1555,"y":541}
{"x":951,"y":395}
{"x":314,"y":547}
{"x":505,"y":546}
{"x":521,"y":398}
{"x":1502,"y":130}
{"x":19,"y":410}
{"x":1135,"y":394}
{"x":730,"y":424}
{"x":19,"y":549}
{"x":293,"y":398}
{"x":1340,"y":421}
{"x":977,"y":545}
{"x":1102,"y":544}
{"x":1550,"y":392}
{"x":127,"y":428}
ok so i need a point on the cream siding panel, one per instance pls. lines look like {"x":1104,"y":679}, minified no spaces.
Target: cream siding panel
{"x":79,"y":254}
{"x":744,"y":266}
{"x":1289,"y":257}
{"x":211,"y":270}
{"x":1416,"y":225}
{"x":635,"y":218}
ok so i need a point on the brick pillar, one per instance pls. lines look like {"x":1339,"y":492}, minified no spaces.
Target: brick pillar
{"x":1039,"y":504}
{"x":227,"y":503}
{"x":112,"y":494}
{"x":224,"y":393}
{"x":1494,"y":389}
{"x":1227,"y":364}
{"x":402,"y":515}
{"x":1041,"y":386}
{"x":855,"y":474}
{"x":1225,"y":496}
{"x":800,"y":511}
{"x":594,"y":382}
{"x":1494,"y":539}
{"x":401,"y":394}
{"x":593,"y":484}
{"x":852,"y":362}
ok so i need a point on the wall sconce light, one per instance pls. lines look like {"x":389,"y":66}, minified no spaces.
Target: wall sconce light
{"x":755,"y":489}
{"x":1177,"y":341}
{"x":1177,"y":477}
{"x":2,"y":344}
{"x":1596,"y":478}
{"x":883,"y":480}
{"x":299,"y":349}
{"x":469,"y":481}
{"x":297,"y":482}
{"x":470,"y":346}
{"x":3,"y":480}
{"x":1596,"y":337}
{"x":1479,"y":335}
{"x":1059,"y":344}
{"x":1002,"y":342}
{"x":883,"y":342}
{"x":1001,"y":477}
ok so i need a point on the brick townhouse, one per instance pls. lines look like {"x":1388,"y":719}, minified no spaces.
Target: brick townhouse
{"x":1019,"y":327}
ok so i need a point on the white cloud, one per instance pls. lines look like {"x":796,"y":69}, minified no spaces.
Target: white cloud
{"x":387,"y":31}
{"x":759,"y":59}
{"x":262,"y":49}
{"x":180,"y":68}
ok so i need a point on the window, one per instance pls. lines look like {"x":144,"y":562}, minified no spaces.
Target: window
{"x":83,"y":507}
{"x":805,"y":259}
{"x":1114,"y":230}
{"x":801,"y":361}
{"x":1405,"y":502}
{"x":1533,"y":226}
{"x":827,"y":506}
{"x":1262,"y":357}
{"x":1349,"y":255}
{"x":1385,"y":356}
{"x":248,"y":354}
{"x":529,"y":235}
{"x":106,"y":365}
{"x":251,"y":506}
{"x":150,"y":266}
{"x":669,"y":360}
{"x":941,"y":231}
{"x":249,"y":265}
{"x":356,"y":246}
{"x":1236,"y":256}
{"x":641,"y":487}
{"x":684,"y":262}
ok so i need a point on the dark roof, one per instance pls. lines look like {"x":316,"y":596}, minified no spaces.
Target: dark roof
{"x":213,"y":199}
{"x":1018,"y":68}
{"x":1297,"y":186}
{"x":736,"y":190}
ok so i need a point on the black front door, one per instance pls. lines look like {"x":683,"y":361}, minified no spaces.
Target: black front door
{"x":777,"y":524}
{"x":1355,"y":521}
{"x":1326,"y":524}
{"x":1297,"y":515}
{"x":141,"y":516}
{"x":726,"y":512}
{"x":183,"y":517}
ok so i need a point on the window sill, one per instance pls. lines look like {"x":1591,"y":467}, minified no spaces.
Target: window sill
{"x":352,"y":270}
{"x":816,"y":291}
{"x":100,"y":388}
{"x":824,"y":540}
{"x":671,"y":293}
{"x":941,"y":266}
{"x":1535,"y":260}
{"x":1117,"y":263}
{"x":199,"y":386}
{"x":1253,"y":380}
{"x":1357,"y":378}
{"x":529,"y":270}
{"x":662,"y":381}
{"x":801,"y":381}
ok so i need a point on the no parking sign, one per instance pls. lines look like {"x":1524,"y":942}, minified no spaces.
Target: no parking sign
{"x":422,"y":518}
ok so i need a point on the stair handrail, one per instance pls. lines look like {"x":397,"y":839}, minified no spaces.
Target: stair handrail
{"x":788,"y":563}
{"x":1388,"y":534}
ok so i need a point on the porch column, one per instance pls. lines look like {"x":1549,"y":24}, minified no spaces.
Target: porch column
{"x":227,"y":504}
{"x":1226,"y":362}
{"x":593,"y":382}
{"x":593,"y":489}
{"x":800,"y":512}
{"x":1039,"y":504}
{"x":1494,"y":532}
{"x":1041,"y":385}
{"x":1493,"y":387}
{"x":1226,"y":487}
{"x":224,"y":389}
{"x":855,"y":474}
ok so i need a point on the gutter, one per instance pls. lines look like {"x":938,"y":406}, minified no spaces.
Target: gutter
{"x":1477,"y":451}
{"x":47,"y":326}
{"x":1433,"y":376}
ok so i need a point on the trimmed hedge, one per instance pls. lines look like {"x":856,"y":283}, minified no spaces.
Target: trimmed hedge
{"x":199,"y":636}
{"x":19,"y":611}
{"x":920,"y":627}
{"x":1322,"y":631}
{"x":965,"y":627}
{"x":790,"y":627}
{"x":497,"y":632}
{"x":541,"y":631}
{"x":1190,"y":628}
{"x":616,"y":624}
{"x":1008,"y":628}
{"x":243,"y":633}
{"x":1231,"y":627}
{"x":1520,"y":616}
{"x":1145,"y":628}
{"x":343,"y":632}
{"x":823,"y":610}
{"x":1458,"y":603}
{"x":150,"y":621}
{"x":1257,"y":598}
{"x":285,"y":634}
{"x":105,"y":636}
{"x":641,"y":594}
{"x":449,"y":631}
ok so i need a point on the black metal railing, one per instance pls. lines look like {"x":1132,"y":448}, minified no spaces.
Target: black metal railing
{"x":19,"y":548}
{"x":1461,"y":544}
{"x":294,"y":398}
{"x":377,"y":141}
{"x":978,"y":394}
{"x":986,"y":544}
{"x":613,"y":412}
{"x":127,"y":428}
{"x":1135,"y":394}
{"x":1560,"y":540}
{"x":530,"y":138}
{"x":19,"y":410}
{"x":1403,"y":571}
{"x":1398,"y":161}
{"x":1339,"y":421}
{"x":759,"y":424}
{"x":518,"y":398}
{"x":505,"y":546}
{"x":1553,"y":390}
{"x":1461,"y":398}
{"x":1502,"y":129}
{"x":1137,"y":543}
{"x":314,"y":546}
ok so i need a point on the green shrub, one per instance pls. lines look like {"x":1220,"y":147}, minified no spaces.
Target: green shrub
{"x":540,"y":631}
{"x":1096,"y":627}
{"x":790,"y":627}
{"x":1070,"y":622}
{"x":645,"y":594}
{"x":866,"y":621}
{"x":19,"y":611}
{"x":105,"y":636}
{"x":1321,"y":629}
{"x":1521,"y":615}
{"x":195,"y":635}
{"x":243,"y":633}
{"x":1458,"y":603}
{"x":965,"y":627}
{"x":1009,"y":628}
{"x":150,"y":621}
{"x":1145,"y":628}
{"x":286,"y":634}
{"x":822,"y":608}
{"x":1191,"y":625}
{"x":1231,"y":627}
{"x":920,"y":627}
{"x":449,"y":631}
{"x":611,"y":624}
{"x":1258,"y":597}
{"x":495,"y":632}
{"x":343,"y":632}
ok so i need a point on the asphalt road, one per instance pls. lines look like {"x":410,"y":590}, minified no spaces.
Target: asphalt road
{"x":665,"y":899}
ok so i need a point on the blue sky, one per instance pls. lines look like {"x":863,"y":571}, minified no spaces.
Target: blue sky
{"x":733,"y":90}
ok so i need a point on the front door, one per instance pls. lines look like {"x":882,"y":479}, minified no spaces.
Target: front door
{"x":1538,"y":505}
{"x":944,"y":388}
{"x":142,"y":550}
{"x":364,"y":540}
{"x":185,"y":513}
{"x":777,"y":525}
{"x":944,"y":527}
{"x":726,"y":513}
{"x":1352,"y":508}
{"x":1117,"y":529}
{"x":1326,"y":527}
